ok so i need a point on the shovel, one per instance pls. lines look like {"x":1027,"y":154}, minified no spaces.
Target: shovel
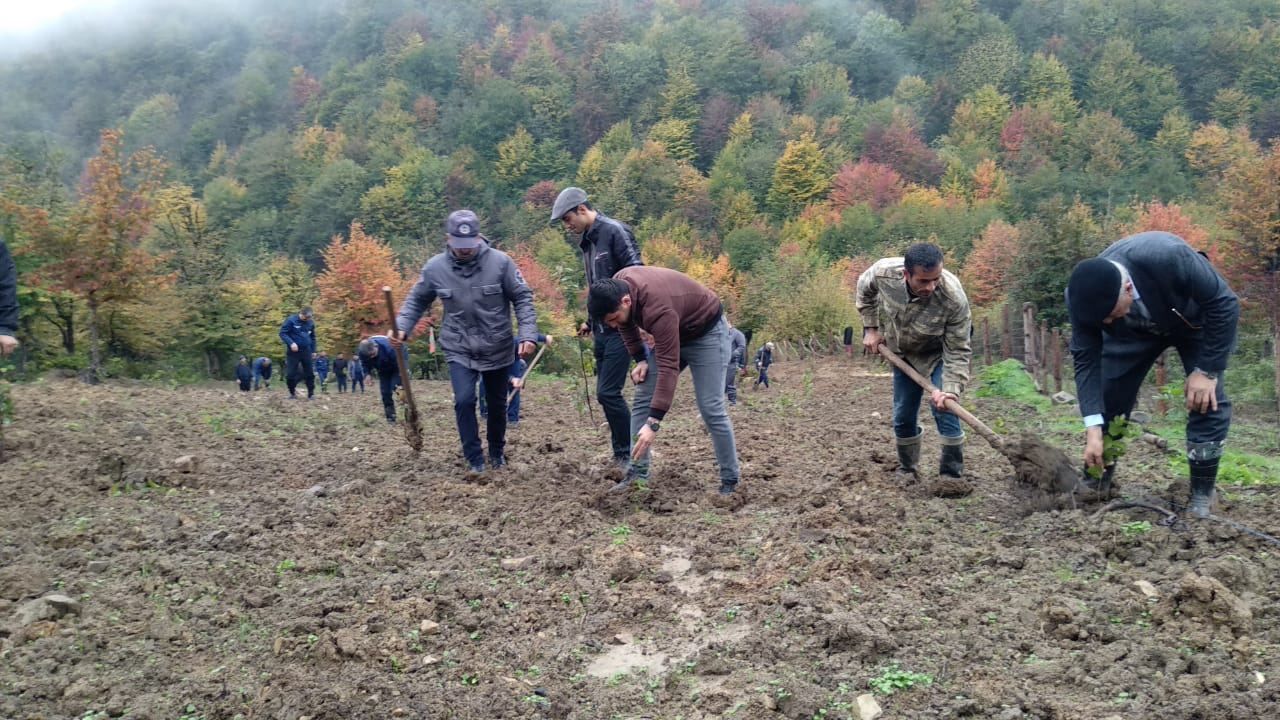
{"x":1035,"y":462}
{"x":413,"y":424}
{"x":527,"y":370}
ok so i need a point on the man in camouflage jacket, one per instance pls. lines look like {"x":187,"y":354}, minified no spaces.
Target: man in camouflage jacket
{"x":920,"y":311}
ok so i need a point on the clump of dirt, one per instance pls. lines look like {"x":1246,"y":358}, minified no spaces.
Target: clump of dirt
{"x":1042,"y":466}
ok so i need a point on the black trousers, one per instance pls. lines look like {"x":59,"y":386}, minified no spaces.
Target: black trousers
{"x":297,"y":366}
{"x":612,"y":364}
{"x":1127,"y":357}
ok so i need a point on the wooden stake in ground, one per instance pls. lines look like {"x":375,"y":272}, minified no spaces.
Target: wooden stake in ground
{"x":412,"y":424}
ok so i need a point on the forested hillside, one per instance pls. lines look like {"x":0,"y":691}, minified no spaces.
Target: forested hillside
{"x":179,"y":178}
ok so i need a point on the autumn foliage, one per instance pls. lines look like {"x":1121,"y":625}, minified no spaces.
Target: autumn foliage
{"x":351,"y":303}
{"x":986,"y":270}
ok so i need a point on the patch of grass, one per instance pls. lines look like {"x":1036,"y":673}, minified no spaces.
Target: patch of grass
{"x":1008,"y":379}
{"x":893,"y":678}
{"x":1237,"y":468}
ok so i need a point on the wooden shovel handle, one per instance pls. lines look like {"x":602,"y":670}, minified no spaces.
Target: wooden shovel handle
{"x":527,"y":370}
{"x":951,"y":405}
{"x":402,"y":360}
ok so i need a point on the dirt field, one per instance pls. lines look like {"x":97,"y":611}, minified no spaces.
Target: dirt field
{"x":304,"y":564}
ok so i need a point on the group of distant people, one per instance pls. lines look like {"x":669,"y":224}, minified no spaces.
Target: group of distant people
{"x":256,"y":375}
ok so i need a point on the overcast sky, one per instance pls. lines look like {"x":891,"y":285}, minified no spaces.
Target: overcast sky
{"x":21,"y":17}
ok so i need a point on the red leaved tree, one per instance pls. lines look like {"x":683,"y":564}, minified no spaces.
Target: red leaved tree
{"x":874,"y":184}
{"x":1169,"y":218}
{"x":97,"y":254}
{"x":351,"y":304}
{"x":1250,"y":191}
{"x":899,"y":146}
{"x":986,"y":270}
{"x":547,"y":292}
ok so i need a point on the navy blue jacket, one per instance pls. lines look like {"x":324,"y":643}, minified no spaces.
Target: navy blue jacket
{"x":385,"y":363}
{"x":357,"y":368}
{"x":607,"y":247}
{"x":8,"y":293}
{"x":261,"y":368}
{"x":322,"y":365}
{"x":244,"y":373}
{"x":294,"y":330}
{"x":1187,"y":299}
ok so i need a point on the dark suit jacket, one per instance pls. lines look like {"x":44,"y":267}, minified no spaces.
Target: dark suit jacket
{"x":1186,"y":297}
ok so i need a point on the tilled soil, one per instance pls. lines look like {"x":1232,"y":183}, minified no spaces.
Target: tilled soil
{"x":304,"y":563}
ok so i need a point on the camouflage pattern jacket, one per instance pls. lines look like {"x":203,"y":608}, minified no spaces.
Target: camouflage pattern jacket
{"x":923,"y":331}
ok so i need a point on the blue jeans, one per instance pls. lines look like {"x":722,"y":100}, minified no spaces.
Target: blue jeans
{"x":464,"y":381}
{"x":906,"y":407}
{"x":707,"y":357}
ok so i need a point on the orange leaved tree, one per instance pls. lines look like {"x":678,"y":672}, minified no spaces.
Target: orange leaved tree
{"x":350,"y":302}
{"x":97,"y":254}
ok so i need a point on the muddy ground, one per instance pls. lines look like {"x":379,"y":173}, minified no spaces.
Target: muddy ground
{"x":303,"y":563}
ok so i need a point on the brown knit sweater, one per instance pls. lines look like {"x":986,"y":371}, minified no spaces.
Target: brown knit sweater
{"x":675,"y":309}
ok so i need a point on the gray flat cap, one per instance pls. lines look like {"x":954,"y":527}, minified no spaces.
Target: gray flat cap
{"x":568,"y":199}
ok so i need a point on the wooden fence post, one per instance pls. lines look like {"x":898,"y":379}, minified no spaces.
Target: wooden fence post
{"x":1030,"y":354}
{"x":1006,"y":332}
{"x":1046,"y":356}
{"x":986,"y":341}
{"x":1057,"y":360}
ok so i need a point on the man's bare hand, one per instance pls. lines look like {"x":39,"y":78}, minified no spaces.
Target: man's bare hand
{"x":644,"y":440}
{"x":640,"y":372}
{"x":584,"y":330}
{"x":1093,"y":447}
{"x":527,"y":348}
{"x":939,"y":399}
{"x":8,"y":344}
{"x":1201,"y":392}
{"x":871,"y":341}
{"x":396,"y":338}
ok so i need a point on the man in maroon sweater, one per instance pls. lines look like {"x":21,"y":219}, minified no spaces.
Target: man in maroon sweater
{"x":688,"y":327}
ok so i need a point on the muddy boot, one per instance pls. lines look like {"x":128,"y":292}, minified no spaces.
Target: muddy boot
{"x":1204,"y":473}
{"x":952,"y":464}
{"x":909,"y":454}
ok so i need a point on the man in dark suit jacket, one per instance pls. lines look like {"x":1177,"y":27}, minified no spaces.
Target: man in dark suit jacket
{"x":1144,"y":294}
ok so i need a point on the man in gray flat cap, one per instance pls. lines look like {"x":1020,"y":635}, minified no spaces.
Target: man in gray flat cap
{"x":607,"y":247}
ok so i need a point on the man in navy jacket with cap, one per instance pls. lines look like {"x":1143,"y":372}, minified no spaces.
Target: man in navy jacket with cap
{"x":1146,"y":293}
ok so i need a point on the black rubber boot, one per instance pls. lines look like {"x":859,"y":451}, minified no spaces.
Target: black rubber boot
{"x":952,"y":464}
{"x":909,"y":454}
{"x":1204,"y":474}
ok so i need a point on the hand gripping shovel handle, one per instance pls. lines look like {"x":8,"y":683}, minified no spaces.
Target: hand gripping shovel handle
{"x":527,"y":370}
{"x":951,"y":405}
{"x":402,"y":361}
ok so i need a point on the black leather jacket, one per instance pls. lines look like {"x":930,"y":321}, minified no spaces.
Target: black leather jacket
{"x":607,"y":246}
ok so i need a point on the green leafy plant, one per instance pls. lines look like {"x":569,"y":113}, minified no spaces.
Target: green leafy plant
{"x":1115,"y":441}
{"x":620,"y":533}
{"x":1138,"y":527}
{"x":893,"y":678}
